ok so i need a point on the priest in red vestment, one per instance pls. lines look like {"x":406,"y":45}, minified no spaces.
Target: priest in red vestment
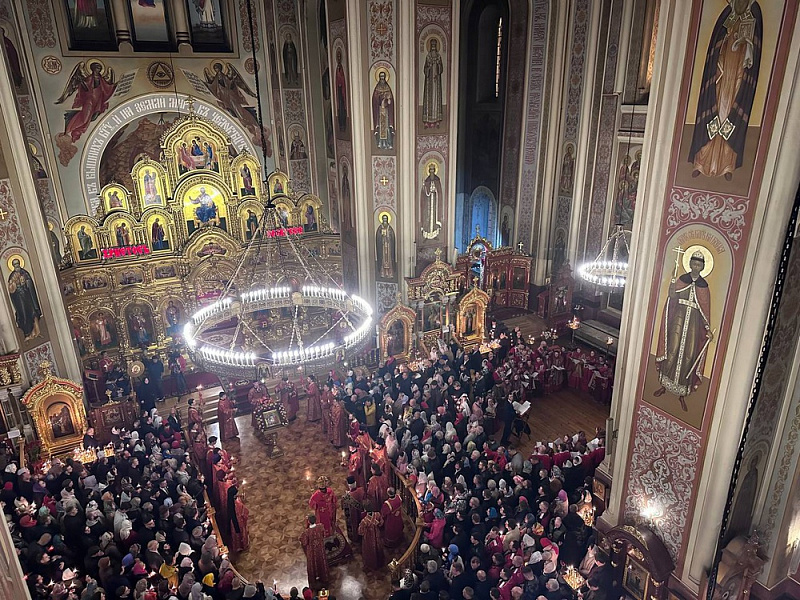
{"x":314,"y":408}
{"x":288,"y":397}
{"x":392,"y":514}
{"x":371,"y":541}
{"x":376,"y":488}
{"x":338,"y":432}
{"x":313,"y":542}
{"x":326,"y":401}
{"x":195,"y":415}
{"x":353,"y":504}
{"x":323,"y":502}
{"x":227,"y":422}
{"x":239,"y":515}
{"x":355,"y":466}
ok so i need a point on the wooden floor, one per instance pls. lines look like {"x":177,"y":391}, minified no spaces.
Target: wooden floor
{"x":565,"y":412}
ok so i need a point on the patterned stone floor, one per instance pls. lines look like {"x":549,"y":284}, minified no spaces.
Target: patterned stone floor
{"x":277,"y":492}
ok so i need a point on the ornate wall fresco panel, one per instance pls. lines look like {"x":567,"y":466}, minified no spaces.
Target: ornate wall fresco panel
{"x":433,"y":67}
{"x":726,"y":116}
{"x":533,"y":121}
{"x":572,"y":114}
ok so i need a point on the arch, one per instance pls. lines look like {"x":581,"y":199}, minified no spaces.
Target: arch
{"x":146,"y":104}
{"x":480,"y":211}
{"x":647,"y":546}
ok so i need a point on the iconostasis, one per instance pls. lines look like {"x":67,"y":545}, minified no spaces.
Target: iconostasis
{"x":154,"y":254}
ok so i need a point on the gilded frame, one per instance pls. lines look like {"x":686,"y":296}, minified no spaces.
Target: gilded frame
{"x":43,"y":398}
{"x":407,"y":317}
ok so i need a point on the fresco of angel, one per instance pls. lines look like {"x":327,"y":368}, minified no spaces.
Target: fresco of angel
{"x":93,"y":85}
{"x":228,"y":87}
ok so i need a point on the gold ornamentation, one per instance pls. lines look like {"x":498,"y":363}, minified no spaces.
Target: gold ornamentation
{"x":56,"y":406}
{"x":635,"y":533}
{"x":51,"y":64}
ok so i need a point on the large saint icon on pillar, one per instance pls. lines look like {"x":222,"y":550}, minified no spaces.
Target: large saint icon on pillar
{"x":430,"y":202}
{"x":686,"y":325}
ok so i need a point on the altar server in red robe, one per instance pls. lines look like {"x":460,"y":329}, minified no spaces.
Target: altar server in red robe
{"x":376,"y":488}
{"x":288,"y":397}
{"x":239,"y":515}
{"x":392,"y":514}
{"x":225,"y":414}
{"x":353,"y":505}
{"x":372,"y":541}
{"x":314,"y":408}
{"x":338,"y":433}
{"x":313,"y":542}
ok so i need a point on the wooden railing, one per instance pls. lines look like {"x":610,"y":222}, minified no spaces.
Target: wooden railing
{"x":413,"y":508}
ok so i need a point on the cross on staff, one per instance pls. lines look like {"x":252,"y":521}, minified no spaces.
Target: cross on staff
{"x":678,"y":253}
{"x":3,"y":215}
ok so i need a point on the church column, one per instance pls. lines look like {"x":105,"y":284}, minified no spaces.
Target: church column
{"x":12,"y":581}
{"x":24,"y":236}
{"x":678,"y":429}
{"x":588,"y":116}
{"x":181,"y":22}
{"x":406,"y":115}
{"x":361,"y":158}
{"x":122,"y":24}
{"x":556,"y":76}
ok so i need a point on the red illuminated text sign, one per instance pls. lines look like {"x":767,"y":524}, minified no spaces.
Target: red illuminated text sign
{"x":140,"y":250}
{"x":284,"y":231}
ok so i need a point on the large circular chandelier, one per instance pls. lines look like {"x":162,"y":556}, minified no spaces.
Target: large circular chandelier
{"x":610,"y":268}
{"x":324,"y":322}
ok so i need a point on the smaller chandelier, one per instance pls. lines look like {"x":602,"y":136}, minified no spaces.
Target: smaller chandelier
{"x":610,"y":268}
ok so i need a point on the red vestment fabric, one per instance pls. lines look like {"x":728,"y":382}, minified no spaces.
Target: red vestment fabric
{"x":392,"y":514}
{"x":240,"y":540}
{"x":338,"y":431}
{"x":353,"y":505}
{"x":314,"y":407}
{"x":372,"y":542}
{"x":227,"y":424}
{"x":313,"y":542}
{"x":324,"y":504}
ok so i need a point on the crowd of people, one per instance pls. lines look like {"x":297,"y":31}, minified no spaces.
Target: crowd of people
{"x":499,"y":525}
{"x":132,"y":524}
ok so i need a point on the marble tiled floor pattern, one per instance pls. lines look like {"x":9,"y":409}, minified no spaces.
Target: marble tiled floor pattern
{"x":277,"y":492}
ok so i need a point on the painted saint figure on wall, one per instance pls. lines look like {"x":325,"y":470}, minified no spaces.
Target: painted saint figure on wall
{"x":103,"y":330}
{"x":291,"y":70}
{"x":383,"y":113}
{"x":341,"y":94}
{"x":432,"y":99}
{"x":94,"y":85}
{"x":247,"y":181}
{"x":385,"y":247}
{"x":430,"y":203}
{"x":24,"y":299}
{"x":567,"y":170}
{"x":727,"y":90}
{"x":159,"y":236}
{"x":347,"y":218}
{"x":297,"y":151}
{"x":87,"y":250}
{"x":685,"y":332}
